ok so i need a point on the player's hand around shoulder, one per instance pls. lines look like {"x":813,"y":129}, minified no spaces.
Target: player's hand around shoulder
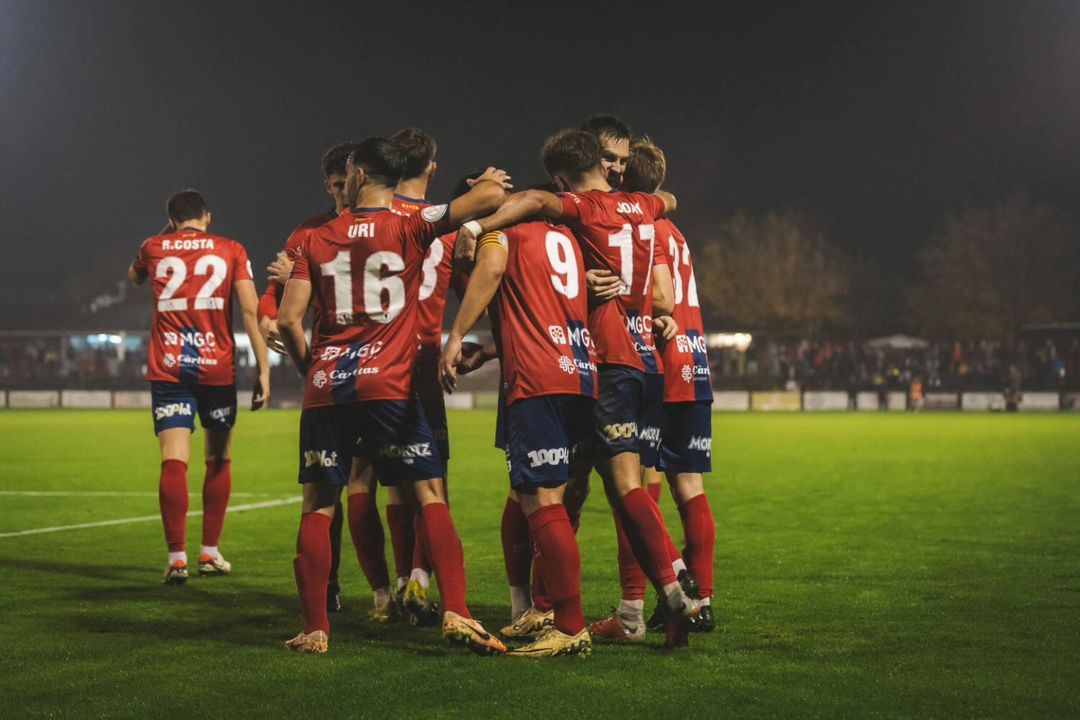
{"x":494,"y":175}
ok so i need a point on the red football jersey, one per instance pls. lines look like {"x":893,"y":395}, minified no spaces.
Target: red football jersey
{"x":193,"y":274}
{"x":686,"y":363}
{"x":541,"y":315}
{"x":609,"y":226}
{"x":271,"y":297}
{"x":438,"y":267}
{"x":365,"y":268}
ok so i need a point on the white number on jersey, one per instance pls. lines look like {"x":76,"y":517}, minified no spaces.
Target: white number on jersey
{"x":340,"y":271}
{"x":560,"y":252}
{"x":176,"y":270}
{"x":624,"y":240}
{"x":691,"y":289}
{"x":431,"y":274}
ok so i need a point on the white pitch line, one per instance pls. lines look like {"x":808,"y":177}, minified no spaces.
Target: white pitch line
{"x":148,"y":518}
{"x":102,"y":493}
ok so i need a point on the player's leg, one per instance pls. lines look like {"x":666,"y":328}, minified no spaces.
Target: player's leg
{"x":311,"y":566}
{"x":617,"y":410}
{"x":541,"y":443}
{"x":327,"y":440}
{"x":686,"y":453}
{"x":333,"y":586}
{"x":217,"y":414}
{"x":401,"y":524}
{"x":420,"y":609}
{"x":517,"y":556}
{"x":366,"y":529}
{"x":173,"y":409}
{"x":398,"y":440}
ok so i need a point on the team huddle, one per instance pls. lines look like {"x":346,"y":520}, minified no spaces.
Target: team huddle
{"x":592,"y":300}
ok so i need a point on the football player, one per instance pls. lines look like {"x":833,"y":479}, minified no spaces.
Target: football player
{"x":685,"y":451}
{"x":333,"y":164}
{"x":362,"y":273}
{"x":548,"y":362}
{"x":195,"y":275}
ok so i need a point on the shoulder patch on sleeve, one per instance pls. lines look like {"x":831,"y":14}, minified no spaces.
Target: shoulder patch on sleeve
{"x":434,"y":213}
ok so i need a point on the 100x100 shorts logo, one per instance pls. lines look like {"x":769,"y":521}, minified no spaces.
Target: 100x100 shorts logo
{"x":621,"y":430}
{"x":167,"y":411}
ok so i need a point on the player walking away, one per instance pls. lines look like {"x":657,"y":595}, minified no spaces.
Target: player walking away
{"x":607,"y":225}
{"x":685,"y":450}
{"x":195,"y":275}
{"x":333,"y":164}
{"x":548,"y":365}
{"x":362,"y":272}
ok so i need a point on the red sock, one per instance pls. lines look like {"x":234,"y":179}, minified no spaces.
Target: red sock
{"x":335,"y":540}
{"x":631,"y":576}
{"x":559,"y":560}
{"x":700,"y":532}
{"x":516,"y":544}
{"x":541,"y":600}
{"x":672,"y":551}
{"x":645,"y":530}
{"x":399,"y":518}
{"x":444,"y":549}
{"x":312,"y":569}
{"x":654,"y":491}
{"x":420,"y":557}
{"x":215,"y":500}
{"x":173,"y":499}
{"x":365,"y":526}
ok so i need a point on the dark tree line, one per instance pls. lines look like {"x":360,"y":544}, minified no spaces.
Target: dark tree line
{"x":985,"y":272}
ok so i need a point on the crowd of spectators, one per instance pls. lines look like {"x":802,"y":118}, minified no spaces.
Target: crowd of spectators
{"x":972,"y":366}
{"x":59,"y":361}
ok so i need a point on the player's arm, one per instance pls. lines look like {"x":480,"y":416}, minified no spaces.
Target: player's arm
{"x":290,"y":321}
{"x":668,"y":199}
{"x":249,"y":310}
{"x":663,"y":290}
{"x":486,"y":195}
{"x":138,"y":271}
{"x":483,"y":283}
{"x":517,"y":208}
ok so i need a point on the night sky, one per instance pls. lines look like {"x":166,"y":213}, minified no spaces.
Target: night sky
{"x":876,"y":118}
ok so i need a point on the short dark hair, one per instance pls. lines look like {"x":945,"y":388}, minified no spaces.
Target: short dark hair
{"x":334,"y":159}
{"x":185,"y":205}
{"x":381,"y":159}
{"x":601,"y":125}
{"x":570,"y":152}
{"x":419,"y":150}
{"x":646,"y":168}
{"x":463,"y":185}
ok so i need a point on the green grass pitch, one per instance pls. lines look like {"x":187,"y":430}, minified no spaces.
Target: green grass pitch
{"x":867,"y":566}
